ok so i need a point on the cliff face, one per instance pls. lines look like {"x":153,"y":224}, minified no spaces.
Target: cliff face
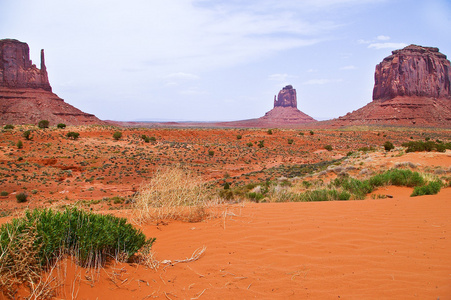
{"x":17,"y":70}
{"x":25,"y":93}
{"x":413,"y":71}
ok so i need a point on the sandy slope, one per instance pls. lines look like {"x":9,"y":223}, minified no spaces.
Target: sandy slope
{"x":372,"y":249}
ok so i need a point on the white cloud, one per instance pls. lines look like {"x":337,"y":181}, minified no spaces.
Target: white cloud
{"x":383,"y":38}
{"x":387,"y":45}
{"x":350,"y":67}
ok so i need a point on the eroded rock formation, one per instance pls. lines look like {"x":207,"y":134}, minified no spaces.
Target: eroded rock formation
{"x":413,"y":71}
{"x":25,"y":93}
{"x":412,"y":87}
{"x":17,"y":70}
{"x":286,"y":97}
{"x":285,"y":111}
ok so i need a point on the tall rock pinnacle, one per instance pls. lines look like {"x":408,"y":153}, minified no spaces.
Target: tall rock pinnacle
{"x":25,"y":93}
{"x":286,"y":98}
{"x":17,"y":70}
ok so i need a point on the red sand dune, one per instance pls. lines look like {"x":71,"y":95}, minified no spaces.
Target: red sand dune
{"x":372,"y":249}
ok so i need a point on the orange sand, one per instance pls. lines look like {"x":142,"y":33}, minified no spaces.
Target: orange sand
{"x":372,"y":249}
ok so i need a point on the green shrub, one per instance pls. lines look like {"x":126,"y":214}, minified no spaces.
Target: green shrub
{"x":19,"y":145}
{"x":356,"y":187}
{"x":91,"y":238}
{"x":145,"y":138}
{"x":61,"y":125}
{"x":430,"y":189}
{"x":388,"y":146}
{"x":239,"y":137}
{"x":73,"y":135}
{"x":152,"y":139}
{"x":211,"y":152}
{"x":8,"y":126}
{"x":27,"y":135}
{"x":21,"y":197}
{"x":43,"y":124}
{"x":324,"y":195}
{"x":397,"y":177}
{"x":269,"y":131}
{"x":117,"y":135}
{"x":250,"y":144}
{"x":4,"y":193}
{"x":255,"y":196}
{"x":311,"y":132}
{"x":290,"y":141}
{"x":261,"y":144}
{"x":301,"y":133}
{"x":420,"y":146}
{"x":328,"y":147}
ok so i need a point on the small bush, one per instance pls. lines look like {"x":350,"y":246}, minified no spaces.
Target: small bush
{"x":261,"y":144}
{"x":145,"y":138}
{"x":153,"y":139}
{"x":61,"y":125}
{"x":257,"y":197}
{"x":420,"y":146}
{"x":290,"y":141}
{"x":430,"y":189}
{"x":324,"y":195}
{"x":43,"y":124}
{"x":311,"y":132}
{"x":73,"y":135}
{"x":269,"y":131}
{"x":27,"y":135}
{"x":388,"y":146}
{"x":328,"y":147}
{"x":211,"y":152}
{"x":239,"y":137}
{"x":4,"y":193}
{"x":21,"y":197}
{"x":19,"y":145}
{"x":8,"y":126}
{"x":301,"y":133}
{"x":250,"y":144}
{"x":117,"y":135}
{"x":91,"y":238}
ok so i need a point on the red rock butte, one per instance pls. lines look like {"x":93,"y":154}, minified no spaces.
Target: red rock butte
{"x":412,"y":88}
{"x":25,"y":93}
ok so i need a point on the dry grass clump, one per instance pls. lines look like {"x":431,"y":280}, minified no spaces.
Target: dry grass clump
{"x":173,"y":193}
{"x":20,"y":266}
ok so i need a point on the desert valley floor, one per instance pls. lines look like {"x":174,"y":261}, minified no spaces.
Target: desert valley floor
{"x":386,"y":246}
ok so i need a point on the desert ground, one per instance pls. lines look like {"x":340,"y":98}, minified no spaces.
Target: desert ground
{"x":386,"y":246}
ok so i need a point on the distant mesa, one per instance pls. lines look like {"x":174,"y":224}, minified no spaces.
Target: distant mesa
{"x":25,"y":93}
{"x":412,"y":87}
{"x":285,"y":111}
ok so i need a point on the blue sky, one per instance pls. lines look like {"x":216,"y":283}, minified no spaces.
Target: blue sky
{"x":205,"y":60}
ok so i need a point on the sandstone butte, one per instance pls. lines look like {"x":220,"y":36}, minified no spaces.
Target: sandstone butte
{"x":26,"y":96}
{"x":411,"y":88}
{"x":284,"y":114}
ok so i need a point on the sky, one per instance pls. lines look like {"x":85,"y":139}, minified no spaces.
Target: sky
{"x":218,"y":60}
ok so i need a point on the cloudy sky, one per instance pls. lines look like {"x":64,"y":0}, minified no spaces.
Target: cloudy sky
{"x":206,"y":60}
